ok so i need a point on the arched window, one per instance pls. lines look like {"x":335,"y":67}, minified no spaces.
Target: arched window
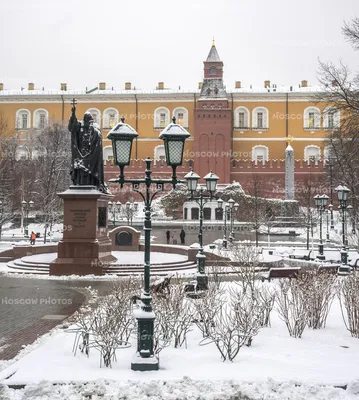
{"x":331,"y":118}
{"x":159,"y":154}
{"x":241,"y":118}
{"x":96,"y":115}
{"x":260,"y":118}
{"x":23,"y":119}
{"x":21,"y":153}
{"x":312,"y":118}
{"x":107,"y":153}
{"x":110,"y":118}
{"x":260,"y":153}
{"x":161,"y":118}
{"x":41,"y":119}
{"x":312,"y":153}
{"x":212,"y":70}
{"x":181,"y":115}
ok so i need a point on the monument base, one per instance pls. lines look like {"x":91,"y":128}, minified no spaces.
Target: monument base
{"x":85,"y":248}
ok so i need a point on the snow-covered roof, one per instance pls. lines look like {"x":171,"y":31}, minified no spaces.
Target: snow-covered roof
{"x":213,"y":55}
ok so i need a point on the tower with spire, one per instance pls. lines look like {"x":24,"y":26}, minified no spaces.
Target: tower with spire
{"x":213,"y":122}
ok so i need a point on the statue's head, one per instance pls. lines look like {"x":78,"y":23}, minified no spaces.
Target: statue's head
{"x":87,"y":118}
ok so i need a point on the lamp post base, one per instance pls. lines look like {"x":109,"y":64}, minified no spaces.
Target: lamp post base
{"x":144,"y":364}
{"x":202,"y":282}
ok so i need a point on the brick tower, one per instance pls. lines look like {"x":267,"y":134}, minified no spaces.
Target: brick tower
{"x":213,"y":122}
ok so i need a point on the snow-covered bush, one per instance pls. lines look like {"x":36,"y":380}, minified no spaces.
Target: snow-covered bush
{"x":291,"y":306}
{"x":349,"y":300}
{"x":318,"y":287}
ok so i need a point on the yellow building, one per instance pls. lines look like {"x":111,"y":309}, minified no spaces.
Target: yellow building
{"x":251,"y":124}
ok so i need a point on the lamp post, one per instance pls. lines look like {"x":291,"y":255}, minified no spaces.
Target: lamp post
{"x":1,"y":216}
{"x":321,"y":202}
{"x":131,"y":209}
{"x":114,"y":208}
{"x":202,"y":199}
{"x":228,"y":211}
{"x":174,"y":137}
{"x":343,"y":192}
{"x":25,"y":211}
{"x":327,"y":212}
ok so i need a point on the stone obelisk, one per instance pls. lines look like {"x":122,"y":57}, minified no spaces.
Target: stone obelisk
{"x":289,"y":173}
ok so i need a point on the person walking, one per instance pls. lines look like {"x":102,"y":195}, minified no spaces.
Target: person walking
{"x":182,"y":236}
{"x":32,"y":238}
{"x":168,"y":236}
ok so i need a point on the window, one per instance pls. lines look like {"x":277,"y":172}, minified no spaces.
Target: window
{"x":219,"y":214}
{"x":331,"y":118}
{"x":181,"y":115}
{"x":312,"y":153}
{"x":212,"y":70}
{"x":311,"y":118}
{"x":260,"y":118}
{"x":180,"y":119}
{"x":241,"y":120}
{"x":110,"y":118}
{"x":162,"y":120}
{"x":160,"y":154}
{"x":42,"y":121}
{"x":108,"y":153}
{"x":207,"y":213}
{"x":260,"y":153}
{"x":185,"y":213}
{"x":24,"y":121}
{"x":194,"y":213}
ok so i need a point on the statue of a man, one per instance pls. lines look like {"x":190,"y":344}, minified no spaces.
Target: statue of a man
{"x":86,"y":147}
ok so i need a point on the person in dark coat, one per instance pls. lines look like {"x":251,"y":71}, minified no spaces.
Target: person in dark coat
{"x":182,"y":236}
{"x":168,"y":236}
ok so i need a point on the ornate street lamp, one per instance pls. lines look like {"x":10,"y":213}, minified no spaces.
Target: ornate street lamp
{"x":343,"y":192}
{"x":114,"y":208}
{"x":202,"y":199}
{"x":321,"y":202}
{"x":131,"y":209}
{"x":229,"y":210}
{"x":174,"y":137}
{"x":327,"y":212}
{"x":25,"y":211}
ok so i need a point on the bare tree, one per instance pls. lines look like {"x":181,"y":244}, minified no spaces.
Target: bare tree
{"x":52,"y":164}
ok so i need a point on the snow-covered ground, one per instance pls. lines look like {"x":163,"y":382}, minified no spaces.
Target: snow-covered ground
{"x":276,"y":366}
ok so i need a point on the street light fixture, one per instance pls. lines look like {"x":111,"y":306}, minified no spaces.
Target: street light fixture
{"x":202,"y":199}
{"x":321,"y":202}
{"x":343,"y":192}
{"x":131,"y":209}
{"x":114,"y":208}
{"x":122,"y":136}
{"x":25,"y":211}
{"x":229,"y":210}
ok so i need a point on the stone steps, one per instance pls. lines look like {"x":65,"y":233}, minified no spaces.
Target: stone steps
{"x":41,"y":268}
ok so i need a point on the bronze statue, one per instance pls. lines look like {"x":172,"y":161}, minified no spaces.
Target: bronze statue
{"x":86,"y":147}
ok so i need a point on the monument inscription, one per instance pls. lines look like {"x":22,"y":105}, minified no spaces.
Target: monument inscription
{"x":80,"y":217}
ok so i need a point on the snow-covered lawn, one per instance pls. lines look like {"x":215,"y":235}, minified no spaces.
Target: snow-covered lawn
{"x":276,"y":366}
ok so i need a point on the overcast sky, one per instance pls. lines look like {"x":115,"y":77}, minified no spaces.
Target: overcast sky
{"x":144,"y":42}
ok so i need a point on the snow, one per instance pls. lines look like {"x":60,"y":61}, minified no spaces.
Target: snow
{"x":276,"y":366}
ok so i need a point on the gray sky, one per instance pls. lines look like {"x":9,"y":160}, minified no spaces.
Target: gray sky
{"x":144,"y":42}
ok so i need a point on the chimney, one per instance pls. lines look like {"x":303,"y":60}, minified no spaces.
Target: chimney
{"x":128,"y":86}
{"x":238,"y":85}
{"x":1,"y":86}
{"x":200,"y":84}
{"x":63,"y":86}
{"x":102,"y":85}
{"x":304,"y":83}
{"x":161,"y":85}
{"x":31,"y":86}
{"x":267,"y":84}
